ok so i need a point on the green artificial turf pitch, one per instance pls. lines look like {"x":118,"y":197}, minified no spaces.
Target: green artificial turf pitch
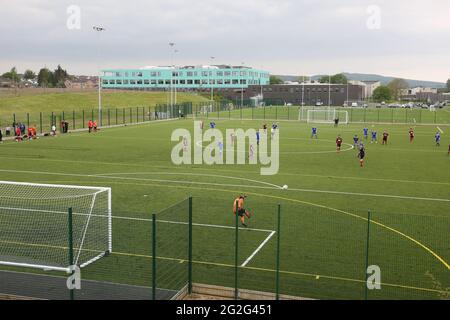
{"x":323,"y":238}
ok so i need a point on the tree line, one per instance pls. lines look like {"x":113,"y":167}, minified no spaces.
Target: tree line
{"x":45,"y":77}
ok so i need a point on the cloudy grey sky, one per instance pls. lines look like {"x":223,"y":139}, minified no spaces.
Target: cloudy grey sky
{"x":408,"y":38}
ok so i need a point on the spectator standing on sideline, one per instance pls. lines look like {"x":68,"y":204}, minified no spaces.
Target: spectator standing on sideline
{"x":90,"y":125}
{"x":18,"y":135}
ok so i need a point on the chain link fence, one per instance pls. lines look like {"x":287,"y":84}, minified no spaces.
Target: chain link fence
{"x":286,"y":251}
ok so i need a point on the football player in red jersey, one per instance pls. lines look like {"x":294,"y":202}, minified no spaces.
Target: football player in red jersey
{"x":338,"y":143}
{"x":411,"y":135}
{"x":385,"y":137}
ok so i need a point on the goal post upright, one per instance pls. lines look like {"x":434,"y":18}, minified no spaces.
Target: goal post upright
{"x":33,"y":225}
{"x":109,"y":221}
{"x":327,"y":116}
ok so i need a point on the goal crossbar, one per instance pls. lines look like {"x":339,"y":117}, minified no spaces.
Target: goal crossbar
{"x":34,"y":224}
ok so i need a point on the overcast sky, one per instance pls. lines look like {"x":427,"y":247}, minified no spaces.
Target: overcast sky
{"x":404,"y":38}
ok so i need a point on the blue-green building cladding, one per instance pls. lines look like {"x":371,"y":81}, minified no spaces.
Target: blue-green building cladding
{"x":189,"y":77}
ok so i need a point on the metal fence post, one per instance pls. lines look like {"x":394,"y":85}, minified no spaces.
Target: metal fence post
{"x":190,"y":248}
{"x":70,"y":239}
{"x":367,"y":254}
{"x":277,"y":283}
{"x":153,"y":256}
{"x":236,"y":252}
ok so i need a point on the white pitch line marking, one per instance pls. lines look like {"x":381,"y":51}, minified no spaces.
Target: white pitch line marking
{"x":258,"y":249}
{"x":351,"y":147}
{"x":188,"y":174}
{"x":371,"y":195}
{"x":136,"y":219}
{"x":231,"y":185}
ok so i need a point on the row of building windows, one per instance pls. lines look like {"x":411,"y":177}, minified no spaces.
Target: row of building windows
{"x":154,"y":74}
{"x":181,"y":82}
{"x":297,"y":89}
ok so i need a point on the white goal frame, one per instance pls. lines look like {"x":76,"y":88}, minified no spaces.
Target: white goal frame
{"x":330,"y":114}
{"x":96,"y":191}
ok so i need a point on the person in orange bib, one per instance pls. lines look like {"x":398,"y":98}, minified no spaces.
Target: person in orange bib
{"x":240,"y":210}
{"x":90,"y":125}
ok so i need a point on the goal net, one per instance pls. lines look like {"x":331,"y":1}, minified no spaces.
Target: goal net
{"x":326,"y":116}
{"x":34,"y":225}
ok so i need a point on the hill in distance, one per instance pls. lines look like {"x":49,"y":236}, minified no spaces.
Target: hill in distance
{"x":374,"y":77}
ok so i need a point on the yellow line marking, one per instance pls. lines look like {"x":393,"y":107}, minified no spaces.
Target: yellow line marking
{"x":217,"y":264}
{"x":440,"y":259}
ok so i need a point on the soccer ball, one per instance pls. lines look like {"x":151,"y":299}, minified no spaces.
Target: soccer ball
{"x":285,"y":187}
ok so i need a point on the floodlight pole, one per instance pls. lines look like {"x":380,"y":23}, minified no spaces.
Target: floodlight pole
{"x":175,"y":85}
{"x":212,"y":87}
{"x":171,"y":44}
{"x":329,"y":91}
{"x":347,"y":93}
{"x":261,"y":84}
{"x":242,"y":86}
{"x":303,"y":90}
{"x":99,"y":30}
